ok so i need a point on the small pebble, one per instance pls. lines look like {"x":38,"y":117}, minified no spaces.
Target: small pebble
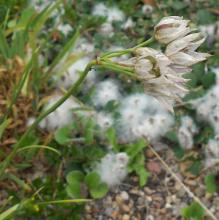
{"x":125,"y":217}
{"x":124,"y":195}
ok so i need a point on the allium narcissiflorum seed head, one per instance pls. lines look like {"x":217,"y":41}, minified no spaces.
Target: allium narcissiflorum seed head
{"x":171,"y":28}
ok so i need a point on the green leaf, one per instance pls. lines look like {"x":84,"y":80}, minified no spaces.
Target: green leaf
{"x":4,"y":47}
{"x":136,"y":148}
{"x":143,"y":175}
{"x":75,"y":180}
{"x":193,"y":212}
{"x":75,"y":176}
{"x":89,"y":132}
{"x":100,"y":191}
{"x":210,"y":183}
{"x":62,"y":135}
{"x":9,"y":212}
{"x":204,"y":16}
{"x":111,"y":137}
{"x":74,"y":190}
{"x":92,"y":180}
{"x":208,"y":80}
{"x":195,"y":168}
{"x":96,"y":187}
{"x":138,"y":166}
{"x":3,"y":126}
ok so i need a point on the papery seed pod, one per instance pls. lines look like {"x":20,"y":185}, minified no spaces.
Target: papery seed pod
{"x":189,"y":58}
{"x":190,"y":42}
{"x":171,"y":28}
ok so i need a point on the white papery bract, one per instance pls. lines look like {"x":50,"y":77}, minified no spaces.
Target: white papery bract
{"x":189,"y":42}
{"x":106,"y":91}
{"x":212,"y":153}
{"x":62,"y":116}
{"x":182,"y":44}
{"x":161,"y":77}
{"x":171,"y":28}
{"x":186,"y":132}
{"x":113,"y":168}
{"x":142,"y":116}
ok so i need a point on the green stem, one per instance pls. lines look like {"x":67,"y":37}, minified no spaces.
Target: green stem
{"x":115,"y":67}
{"x":130,"y":50}
{"x":71,"y":91}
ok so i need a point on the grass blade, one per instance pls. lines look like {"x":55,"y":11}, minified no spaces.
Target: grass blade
{"x":40,"y":147}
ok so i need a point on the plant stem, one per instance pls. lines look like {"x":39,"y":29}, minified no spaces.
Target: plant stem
{"x":130,"y":50}
{"x":71,"y":91}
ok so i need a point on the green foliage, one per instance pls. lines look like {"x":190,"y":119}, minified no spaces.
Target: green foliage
{"x":96,"y":187}
{"x":77,"y":181}
{"x":63,"y":135}
{"x":204,"y":16}
{"x":193,"y":212}
{"x":137,"y":160}
{"x":211,"y":184}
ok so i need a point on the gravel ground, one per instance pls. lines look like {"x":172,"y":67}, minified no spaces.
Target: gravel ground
{"x":161,"y":199}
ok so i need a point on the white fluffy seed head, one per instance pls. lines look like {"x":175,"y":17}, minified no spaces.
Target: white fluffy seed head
{"x":104,"y":120}
{"x":62,"y":116}
{"x":142,"y":116}
{"x":83,"y":45}
{"x":106,"y":91}
{"x":73,"y":73}
{"x":212,"y":153}
{"x":65,"y":28}
{"x":113,"y":168}
{"x":111,"y":13}
{"x":207,"y":107}
{"x":186,"y":132}
{"x":185,"y":138}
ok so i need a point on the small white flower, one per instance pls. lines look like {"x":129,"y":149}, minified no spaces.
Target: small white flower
{"x":106,"y":91}
{"x":171,"y":28}
{"x":113,"y":168}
